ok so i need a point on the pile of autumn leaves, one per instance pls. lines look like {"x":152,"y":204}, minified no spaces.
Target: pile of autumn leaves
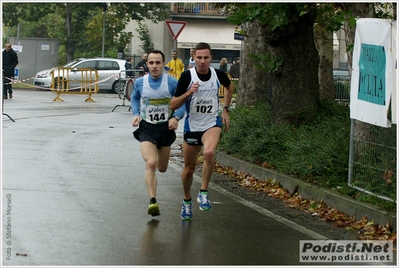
{"x":367,"y":230}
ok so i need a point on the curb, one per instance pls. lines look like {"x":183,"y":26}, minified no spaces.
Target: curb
{"x":307,"y":190}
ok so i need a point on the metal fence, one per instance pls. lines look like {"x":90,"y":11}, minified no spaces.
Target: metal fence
{"x":342,"y":88}
{"x":372,"y":160}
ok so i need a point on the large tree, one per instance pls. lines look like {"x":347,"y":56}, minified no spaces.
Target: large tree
{"x":329,"y":19}
{"x":279,"y":41}
{"x":363,"y":10}
{"x":279,"y":57}
{"x":82,"y":29}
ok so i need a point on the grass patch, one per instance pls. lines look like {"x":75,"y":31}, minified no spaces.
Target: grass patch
{"x":23,"y":85}
{"x":316,"y":152}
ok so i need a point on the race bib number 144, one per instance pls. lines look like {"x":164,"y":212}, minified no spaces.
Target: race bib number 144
{"x":157,"y":114}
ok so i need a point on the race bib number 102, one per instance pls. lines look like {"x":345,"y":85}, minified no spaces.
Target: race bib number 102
{"x":204,"y":106}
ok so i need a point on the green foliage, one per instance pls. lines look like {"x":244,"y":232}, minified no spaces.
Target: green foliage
{"x":83,"y":35}
{"x":349,"y":48}
{"x":374,"y":163}
{"x":252,"y":135}
{"x":236,"y":84}
{"x":343,"y":89}
{"x":385,"y":11}
{"x":329,"y":16}
{"x":319,"y":153}
{"x":316,"y":152}
{"x":266,"y":63}
{"x":387,"y":205}
{"x":332,"y":16}
{"x":145,"y":37}
{"x":139,"y":11}
{"x":272,"y":14}
{"x":14,"y":13}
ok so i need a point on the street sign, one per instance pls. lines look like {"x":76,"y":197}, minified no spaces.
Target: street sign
{"x":175,"y":27}
{"x":17,"y":48}
{"x":16,"y":73}
{"x":238,"y":36}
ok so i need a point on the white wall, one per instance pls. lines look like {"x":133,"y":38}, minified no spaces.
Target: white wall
{"x":156,"y":32}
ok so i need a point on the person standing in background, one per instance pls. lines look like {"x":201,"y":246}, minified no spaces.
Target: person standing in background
{"x":223,"y":65}
{"x":235,"y":69}
{"x":10,"y":61}
{"x":142,"y":65}
{"x":175,"y":66}
{"x":191,"y":61}
{"x":128,"y":66}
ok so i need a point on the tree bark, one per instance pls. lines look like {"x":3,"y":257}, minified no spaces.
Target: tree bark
{"x":294,"y":87}
{"x":70,"y":44}
{"x":360,"y":10}
{"x":324,"y":45}
{"x":253,"y":86}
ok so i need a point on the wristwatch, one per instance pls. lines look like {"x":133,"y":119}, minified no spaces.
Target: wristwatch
{"x":227,"y":108}
{"x":177,"y":117}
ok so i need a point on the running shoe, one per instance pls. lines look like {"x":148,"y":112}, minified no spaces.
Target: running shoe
{"x":153,"y":210}
{"x":186,"y":210}
{"x":203,"y":200}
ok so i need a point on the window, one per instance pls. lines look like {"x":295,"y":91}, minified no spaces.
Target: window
{"x":86,"y":64}
{"x":108,"y":65}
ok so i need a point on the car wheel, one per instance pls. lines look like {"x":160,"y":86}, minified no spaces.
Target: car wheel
{"x":129,"y":89}
{"x":59,"y":83}
{"x":118,"y":87}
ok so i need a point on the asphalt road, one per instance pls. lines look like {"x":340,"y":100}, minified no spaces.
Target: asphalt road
{"x":73,"y":193}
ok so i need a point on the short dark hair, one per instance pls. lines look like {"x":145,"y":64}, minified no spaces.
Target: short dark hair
{"x":157,"y":52}
{"x":202,"y":45}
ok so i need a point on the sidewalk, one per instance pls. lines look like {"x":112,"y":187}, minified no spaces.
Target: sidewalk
{"x":307,"y":190}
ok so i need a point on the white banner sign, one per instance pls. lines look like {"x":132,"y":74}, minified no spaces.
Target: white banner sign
{"x":395,"y":73}
{"x":372,"y":72}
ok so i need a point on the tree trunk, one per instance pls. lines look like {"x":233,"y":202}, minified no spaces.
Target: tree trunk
{"x":360,"y":10}
{"x":324,"y":45}
{"x":70,"y":44}
{"x":295,"y":86}
{"x":253,"y":86}
{"x":294,"y":94}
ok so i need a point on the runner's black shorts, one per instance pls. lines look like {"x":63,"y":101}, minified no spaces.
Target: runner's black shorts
{"x":159,"y":134}
{"x":195,"y":138}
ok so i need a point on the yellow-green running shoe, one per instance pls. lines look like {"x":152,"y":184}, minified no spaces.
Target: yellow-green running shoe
{"x":153,"y":210}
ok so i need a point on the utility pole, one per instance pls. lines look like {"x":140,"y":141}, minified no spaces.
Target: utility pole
{"x":105,"y":7}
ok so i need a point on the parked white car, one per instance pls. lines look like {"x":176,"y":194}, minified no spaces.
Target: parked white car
{"x":43,"y":78}
{"x":106,"y":68}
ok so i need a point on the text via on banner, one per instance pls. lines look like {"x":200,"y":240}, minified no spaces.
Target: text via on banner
{"x":373,"y":72}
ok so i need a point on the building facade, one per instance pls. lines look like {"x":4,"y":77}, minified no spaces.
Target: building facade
{"x":204,"y":23}
{"x":36,"y":54}
{"x":207,"y":23}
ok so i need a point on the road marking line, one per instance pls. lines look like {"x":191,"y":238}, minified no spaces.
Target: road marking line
{"x":259,"y":209}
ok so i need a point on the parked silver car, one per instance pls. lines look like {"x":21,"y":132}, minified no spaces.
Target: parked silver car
{"x":108,"y":69}
{"x":43,"y":78}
